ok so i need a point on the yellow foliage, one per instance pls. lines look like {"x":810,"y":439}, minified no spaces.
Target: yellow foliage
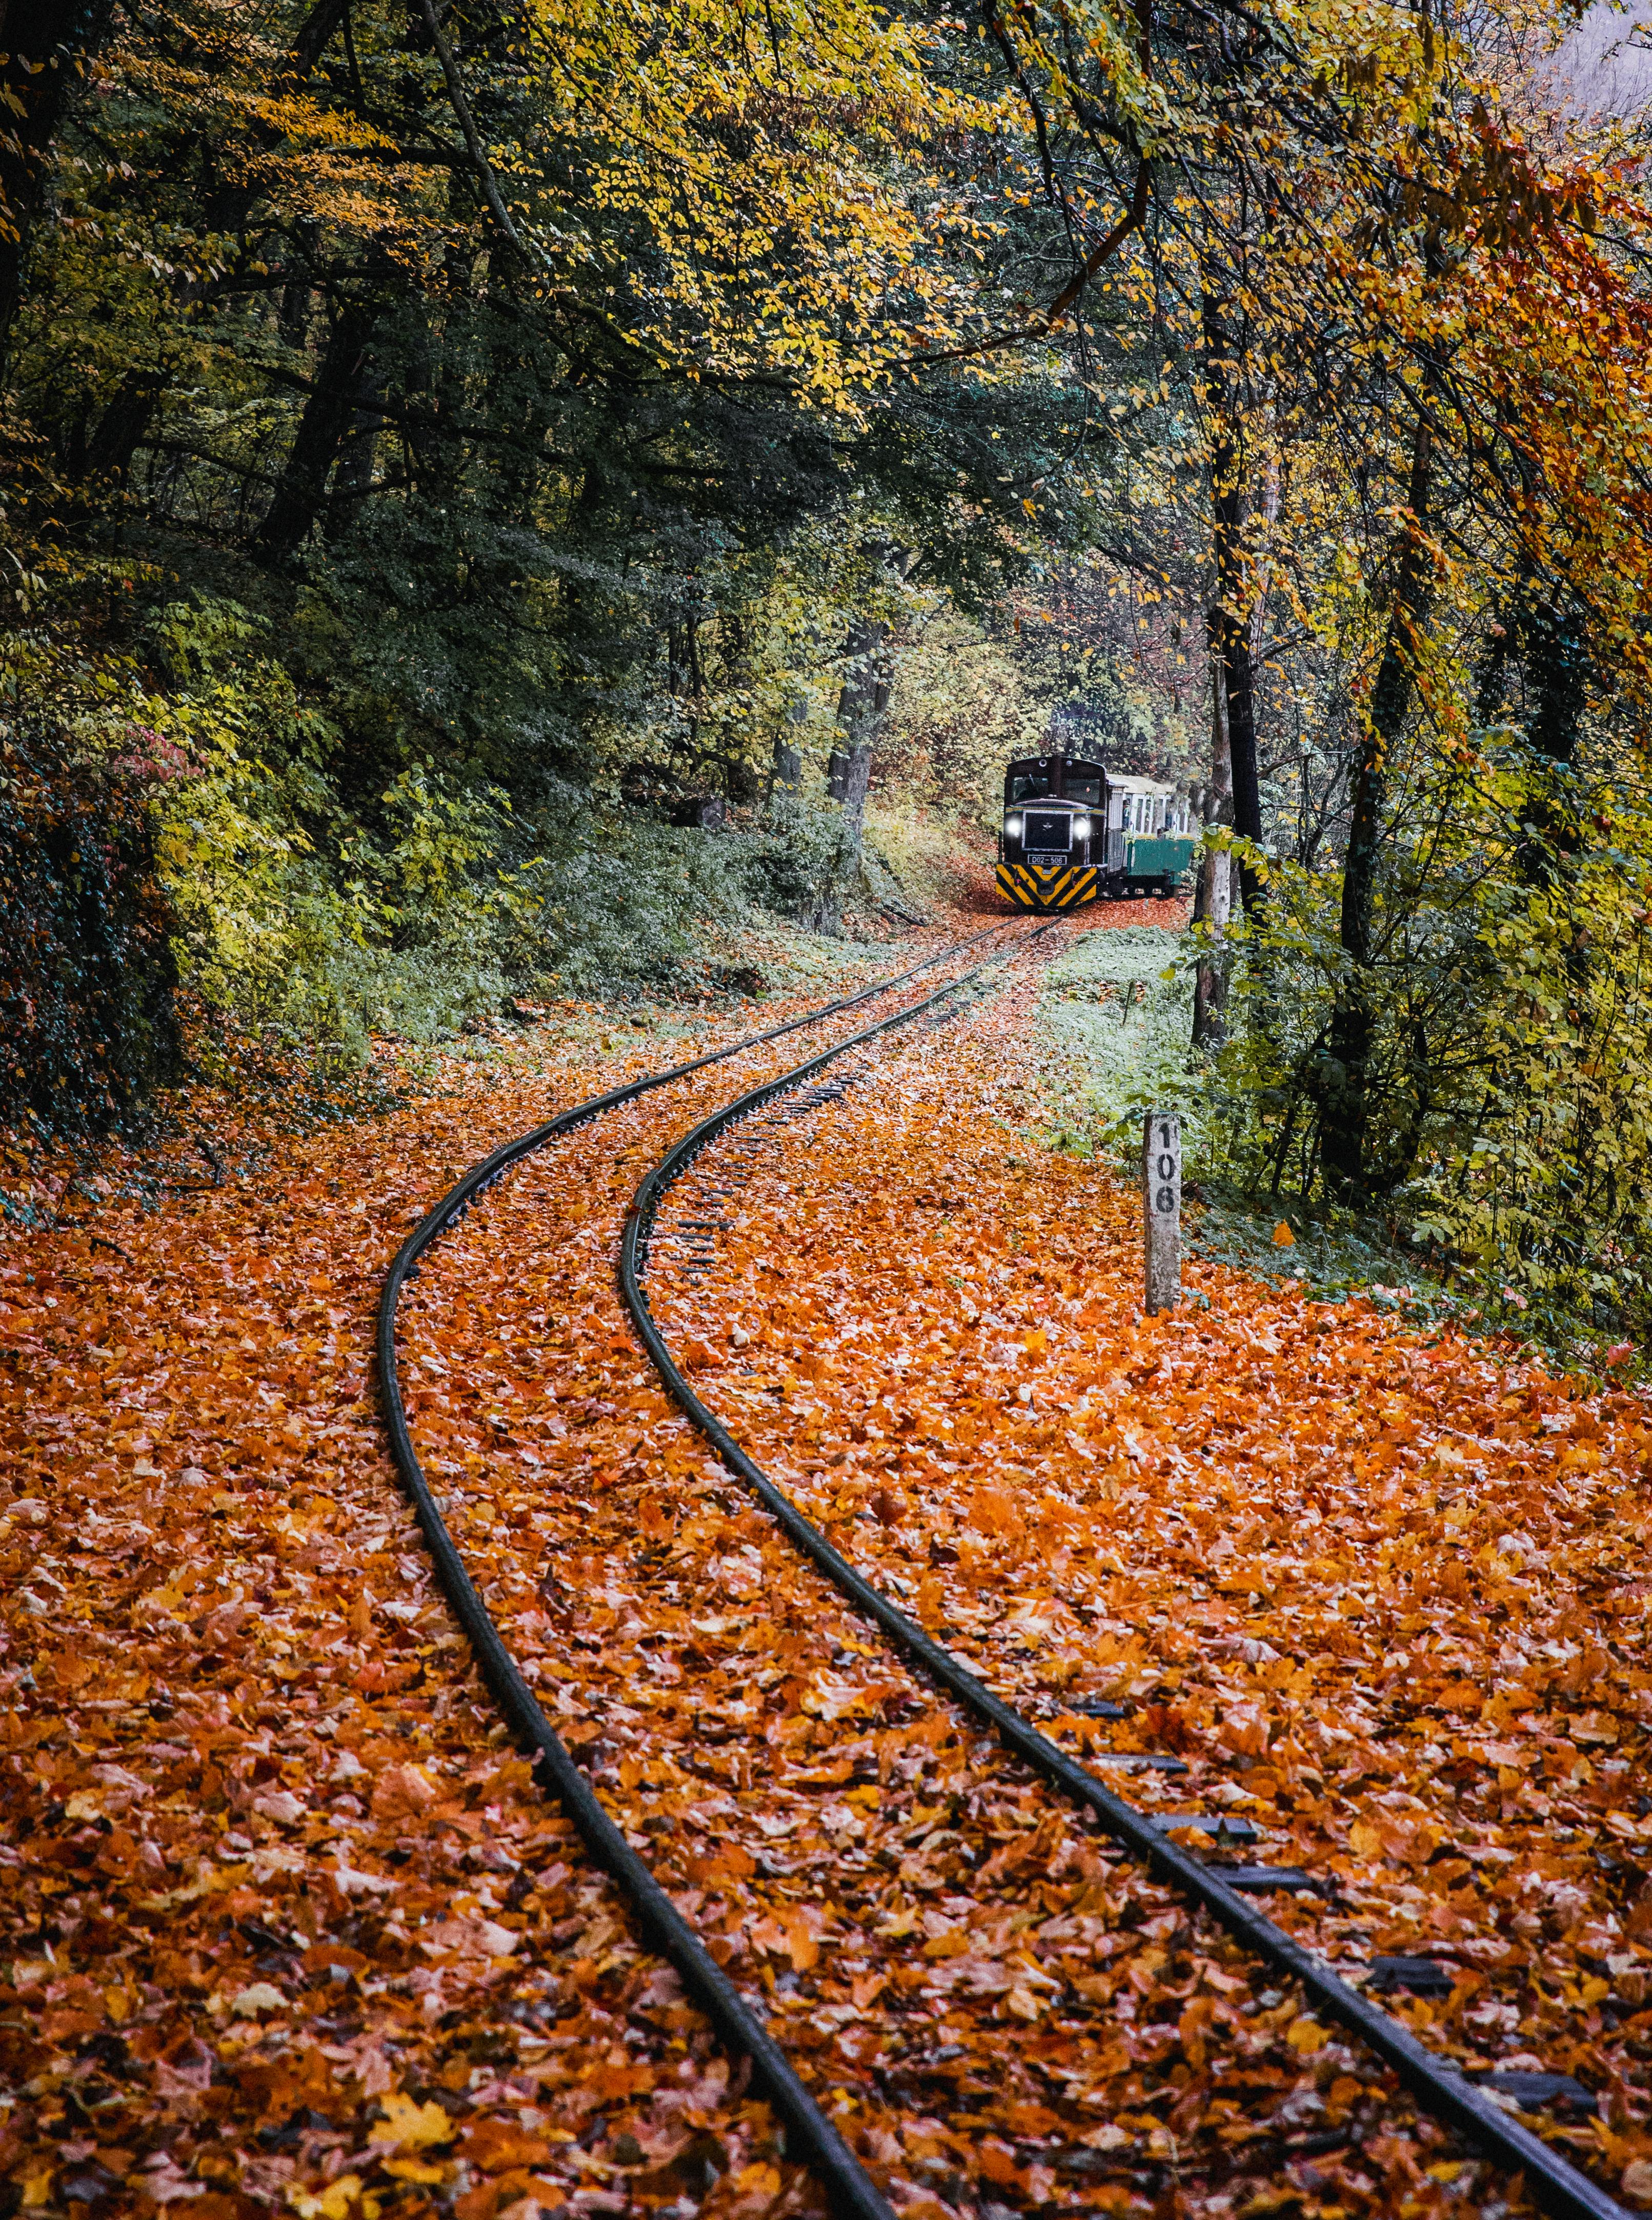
{"x":409,"y":2127}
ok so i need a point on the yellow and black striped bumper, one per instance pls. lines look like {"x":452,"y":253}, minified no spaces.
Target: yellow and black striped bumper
{"x":1065,"y":887}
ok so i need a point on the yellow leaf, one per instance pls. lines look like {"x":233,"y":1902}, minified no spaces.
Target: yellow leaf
{"x":333,"y":2202}
{"x":1283,"y":1237}
{"x":1305,"y":2035}
{"x":406,"y":2126}
{"x":417,"y":2169}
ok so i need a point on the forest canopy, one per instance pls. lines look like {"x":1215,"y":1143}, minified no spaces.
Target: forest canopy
{"x":445,"y":447}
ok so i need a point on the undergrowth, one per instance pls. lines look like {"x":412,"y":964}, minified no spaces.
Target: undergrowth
{"x":1119,"y":1004}
{"x":308,"y":913}
{"x":1117,"y":1007}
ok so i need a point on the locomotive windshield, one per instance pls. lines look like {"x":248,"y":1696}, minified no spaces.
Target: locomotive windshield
{"x":1072,"y":781}
{"x":1028,"y":781}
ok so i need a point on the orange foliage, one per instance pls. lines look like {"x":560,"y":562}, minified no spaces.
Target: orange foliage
{"x":285,"y":1924}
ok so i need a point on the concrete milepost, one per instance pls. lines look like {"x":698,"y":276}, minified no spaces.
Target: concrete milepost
{"x":1162,"y":1209}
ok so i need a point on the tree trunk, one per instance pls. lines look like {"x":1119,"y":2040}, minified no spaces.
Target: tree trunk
{"x":99,"y":454}
{"x":857,"y":780}
{"x":863,"y":703}
{"x":353,"y":480}
{"x":1557,"y":663}
{"x":301,"y":487}
{"x":1212,"y":903}
{"x":1345,"y":1109}
{"x":46,"y":41}
{"x":1234,"y":598}
{"x":1554,"y":642}
{"x":1239,"y":673}
{"x":122,"y":428}
{"x":786,"y":775}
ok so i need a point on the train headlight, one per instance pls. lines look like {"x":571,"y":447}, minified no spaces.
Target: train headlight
{"x":1012,"y":826}
{"x":1081,"y":828}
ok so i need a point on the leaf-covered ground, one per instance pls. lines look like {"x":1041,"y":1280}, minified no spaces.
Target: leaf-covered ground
{"x":285,"y":1926}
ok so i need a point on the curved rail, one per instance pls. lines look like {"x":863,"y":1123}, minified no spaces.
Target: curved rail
{"x":1559,"y":2188}
{"x":851,"y":2190}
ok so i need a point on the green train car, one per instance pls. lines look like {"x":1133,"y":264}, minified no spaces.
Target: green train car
{"x":1075,"y":833}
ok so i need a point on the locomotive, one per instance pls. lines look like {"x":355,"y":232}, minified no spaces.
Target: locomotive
{"x":1075,"y":833}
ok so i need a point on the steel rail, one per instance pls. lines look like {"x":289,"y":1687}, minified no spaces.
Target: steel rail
{"x":1557,"y":2188}
{"x":459,"y":1199}
{"x":852,"y":2194}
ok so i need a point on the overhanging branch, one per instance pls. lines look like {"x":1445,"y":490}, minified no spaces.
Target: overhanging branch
{"x":1056,"y":314}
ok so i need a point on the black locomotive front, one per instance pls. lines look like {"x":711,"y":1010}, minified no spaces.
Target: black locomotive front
{"x":1055,"y":833}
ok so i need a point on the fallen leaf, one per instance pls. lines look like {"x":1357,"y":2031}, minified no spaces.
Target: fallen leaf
{"x":406,"y":2126}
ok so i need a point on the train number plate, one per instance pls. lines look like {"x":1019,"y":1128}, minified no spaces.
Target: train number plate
{"x":1046,"y":863}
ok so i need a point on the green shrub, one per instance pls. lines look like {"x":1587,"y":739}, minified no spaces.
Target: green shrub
{"x":1511,"y":1002}
{"x":87,"y":1022}
{"x":428,"y":909}
{"x":291,"y":909}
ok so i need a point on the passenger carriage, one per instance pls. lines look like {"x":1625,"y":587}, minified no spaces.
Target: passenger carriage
{"x":1075,"y":833}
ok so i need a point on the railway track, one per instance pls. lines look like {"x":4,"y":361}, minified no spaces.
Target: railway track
{"x":1023,"y":1815}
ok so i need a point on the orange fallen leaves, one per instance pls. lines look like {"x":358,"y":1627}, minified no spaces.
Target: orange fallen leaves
{"x":282,"y":1926}
{"x":1383,"y":1590}
{"x":982,"y":1966}
{"x":1381,"y":1598}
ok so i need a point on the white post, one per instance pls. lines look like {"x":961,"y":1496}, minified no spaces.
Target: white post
{"x":1162,"y":1209}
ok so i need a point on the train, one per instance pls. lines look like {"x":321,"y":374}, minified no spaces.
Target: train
{"x":1075,"y":833}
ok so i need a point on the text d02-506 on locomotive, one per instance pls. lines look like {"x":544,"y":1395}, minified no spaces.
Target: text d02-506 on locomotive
{"x":1075,"y":833}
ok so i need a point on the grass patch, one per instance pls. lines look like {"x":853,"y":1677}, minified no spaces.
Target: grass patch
{"x":1119,"y":1008}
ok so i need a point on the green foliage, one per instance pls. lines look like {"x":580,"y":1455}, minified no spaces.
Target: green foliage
{"x":87,"y":1026}
{"x":964,"y":704}
{"x":284,"y":903}
{"x":240,"y":839}
{"x":798,"y":862}
{"x":296,"y":910}
{"x":1512,"y":1015}
{"x":439,"y":899}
